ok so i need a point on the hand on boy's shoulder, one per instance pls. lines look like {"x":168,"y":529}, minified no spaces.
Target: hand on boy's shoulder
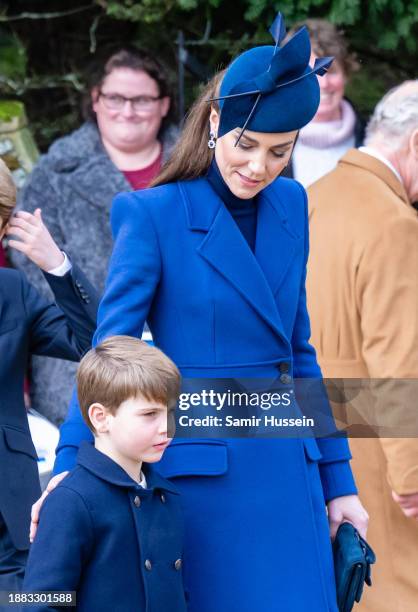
{"x":36,"y":508}
{"x":64,"y":514}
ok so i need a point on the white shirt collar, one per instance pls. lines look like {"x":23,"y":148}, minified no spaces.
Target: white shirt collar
{"x":373,"y":153}
{"x":142,"y":480}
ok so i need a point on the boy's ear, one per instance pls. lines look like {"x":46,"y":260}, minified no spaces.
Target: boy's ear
{"x":98,"y":416}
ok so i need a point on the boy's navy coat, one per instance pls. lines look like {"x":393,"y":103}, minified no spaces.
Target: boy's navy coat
{"x":257,"y":535}
{"x":118,"y":545}
{"x":29,"y":324}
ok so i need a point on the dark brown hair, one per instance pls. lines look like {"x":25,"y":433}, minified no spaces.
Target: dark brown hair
{"x":131,"y":57}
{"x":121,"y":368}
{"x":327,"y":40}
{"x":191,"y":157}
{"x":7,"y":194}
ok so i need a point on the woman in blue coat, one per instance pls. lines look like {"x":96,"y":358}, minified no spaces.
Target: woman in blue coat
{"x":214,"y":258}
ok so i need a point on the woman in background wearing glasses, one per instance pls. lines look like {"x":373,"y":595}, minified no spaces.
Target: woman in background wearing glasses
{"x":127,"y":135}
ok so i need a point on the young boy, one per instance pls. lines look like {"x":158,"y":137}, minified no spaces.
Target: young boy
{"x":112,"y":529}
{"x":30,"y":324}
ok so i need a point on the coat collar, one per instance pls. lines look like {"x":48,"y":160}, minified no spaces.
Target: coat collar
{"x":99,"y":193}
{"x":105,"y":468}
{"x":81,"y":160}
{"x":362,"y":160}
{"x":257,"y":276}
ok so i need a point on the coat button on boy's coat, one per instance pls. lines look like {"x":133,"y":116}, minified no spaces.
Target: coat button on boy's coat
{"x":137,"y":501}
{"x":178,"y":564}
{"x":148,"y":565}
{"x":162,"y":497}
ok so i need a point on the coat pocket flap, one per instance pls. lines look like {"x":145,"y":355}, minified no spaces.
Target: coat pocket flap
{"x":20,"y":442}
{"x":194,"y":458}
{"x":311,"y":449}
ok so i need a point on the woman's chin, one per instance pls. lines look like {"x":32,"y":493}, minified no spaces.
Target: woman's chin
{"x":327,"y":112}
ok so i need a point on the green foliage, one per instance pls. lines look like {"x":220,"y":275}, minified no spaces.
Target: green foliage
{"x":386,"y":23}
{"x":12,"y":56}
{"x":9,"y":109}
{"x":42,"y":60}
{"x":147,"y":11}
{"x":395,"y":22}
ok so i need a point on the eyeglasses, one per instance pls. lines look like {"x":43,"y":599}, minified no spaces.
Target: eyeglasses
{"x":138,"y":103}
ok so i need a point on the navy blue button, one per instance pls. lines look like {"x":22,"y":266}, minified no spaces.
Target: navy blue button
{"x":137,"y":501}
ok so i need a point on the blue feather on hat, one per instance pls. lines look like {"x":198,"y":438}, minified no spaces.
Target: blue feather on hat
{"x":272,"y":88}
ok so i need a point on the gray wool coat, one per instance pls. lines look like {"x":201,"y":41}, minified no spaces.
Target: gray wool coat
{"x":73,"y":184}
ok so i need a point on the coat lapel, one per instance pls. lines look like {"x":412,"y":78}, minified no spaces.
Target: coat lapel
{"x":274,"y":236}
{"x":110,"y":181}
{"x":227,"y":251}
{"x":81,"y":164}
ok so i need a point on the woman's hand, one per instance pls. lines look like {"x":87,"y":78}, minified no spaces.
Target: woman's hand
{"x":35,"y":241}
{"x":38,"y":505}
{"x":349,"y":509}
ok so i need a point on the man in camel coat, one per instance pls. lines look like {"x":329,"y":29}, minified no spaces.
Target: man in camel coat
{"x":363,"y":302}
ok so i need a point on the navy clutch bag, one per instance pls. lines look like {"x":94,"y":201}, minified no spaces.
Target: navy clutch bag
{"x":352,"y":560}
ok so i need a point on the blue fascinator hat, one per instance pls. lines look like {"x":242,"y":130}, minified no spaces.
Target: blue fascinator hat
{"x":272,"y":88}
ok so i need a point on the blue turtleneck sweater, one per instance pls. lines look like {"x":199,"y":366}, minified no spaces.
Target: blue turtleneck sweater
{"x":244,"y":212}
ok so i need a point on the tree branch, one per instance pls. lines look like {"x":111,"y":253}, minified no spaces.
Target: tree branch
{"x":48,"y":82}
{"x":25,"y":15}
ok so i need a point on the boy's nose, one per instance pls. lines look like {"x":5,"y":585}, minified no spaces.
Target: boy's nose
{"x":163,"y":425}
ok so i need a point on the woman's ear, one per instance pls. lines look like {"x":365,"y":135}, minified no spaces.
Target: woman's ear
{"x":165,"y":105}
{"x":94,"y":95}
{"x":214,"y":121}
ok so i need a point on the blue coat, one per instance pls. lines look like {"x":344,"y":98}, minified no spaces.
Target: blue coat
{"x":257,"y":535}
{"x":117,"y":545}
{"x":32,"y":325}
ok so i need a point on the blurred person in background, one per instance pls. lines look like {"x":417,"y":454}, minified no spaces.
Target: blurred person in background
{"x":336,"y":126}
{"x":363,"y":302}
{"x":30,"y":324}
{"x":127,"y":135}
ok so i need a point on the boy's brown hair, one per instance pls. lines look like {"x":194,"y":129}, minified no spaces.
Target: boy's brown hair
{"x":7,"y":194}
{"x":121,"y":368}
